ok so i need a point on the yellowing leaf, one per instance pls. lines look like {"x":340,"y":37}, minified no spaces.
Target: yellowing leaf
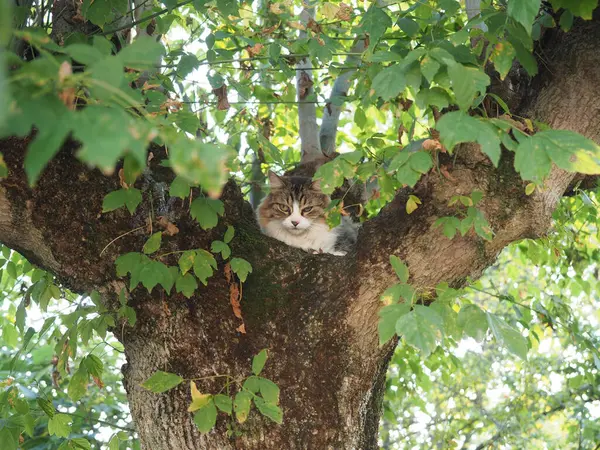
{"x":529,"y":188}
{"x":199,"y":400}
{"x":412,"y":203}
{"x":329,"y":10}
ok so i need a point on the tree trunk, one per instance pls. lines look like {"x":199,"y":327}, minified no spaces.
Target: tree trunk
{"x":316,"y":313}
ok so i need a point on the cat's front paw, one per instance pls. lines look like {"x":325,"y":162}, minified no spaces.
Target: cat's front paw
{"x":339,"y":253}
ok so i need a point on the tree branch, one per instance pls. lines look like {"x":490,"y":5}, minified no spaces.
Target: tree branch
{"x":333,"y":108}
{"x":473,"y":10}
{"x":307,"y":111}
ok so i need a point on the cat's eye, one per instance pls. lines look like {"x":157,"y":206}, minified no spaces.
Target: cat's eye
{"x":284,"y":208}
{"x":307,"y":209}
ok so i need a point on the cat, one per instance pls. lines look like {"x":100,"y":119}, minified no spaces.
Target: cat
{"x":294,"y":213}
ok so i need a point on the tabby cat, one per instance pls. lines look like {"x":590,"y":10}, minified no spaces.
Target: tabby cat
{"x":294,"y":213}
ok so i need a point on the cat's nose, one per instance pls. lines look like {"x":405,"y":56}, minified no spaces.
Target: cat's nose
{"x":295,"y":223}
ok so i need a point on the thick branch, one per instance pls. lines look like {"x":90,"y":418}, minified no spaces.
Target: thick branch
{"x":307,"y":110}
{"x":333,"y":108}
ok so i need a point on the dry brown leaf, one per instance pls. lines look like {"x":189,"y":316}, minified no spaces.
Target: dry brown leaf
{"x":241,"y":328}
{"x":122,"y":181}
{"x":171,"y":105}
{"x":170,"y":228}
{"x":64,"y":71}
{"x":234,"y":299}
{"x":304,"y":85}
{"x":297,"y":25}
{"x":401,"y":130}
{"x":67,"y":96}
{"x":222,"y":101}
{"x":255,"y":49}
{"x":431,"y":145}
{"x":314,"y":26}
{"x":345,"y":12}
{"x":98,"y":381}
{"x":444,"y":171}
{"x":269,"y":30}
{"x":149,"y":87}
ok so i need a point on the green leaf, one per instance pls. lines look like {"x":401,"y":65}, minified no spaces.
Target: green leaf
{"x":129,"y":263}
{"x":206,"y":417}
{"x":269,"y":390}
{"x":220,"y":247}
{"x":421,"y":162}
{"x":524,"y":12}
{"x":420,"y":328}
{"x":456,"y":127}
{"x":409,"y":26}
{"x":10,"y":335}
{"x":396,"y":292}
{"x":388,"y":83}
{"x":180,"y":188}
{"x":85,"y":54}
{"x":204,"y":263}
{"x":94,"y":365}
{"x":388,"y":316}
{"x":153,"y":244}
{"x":569,"y":151}
{"x":375,"y":22}
{"x":228,"y":7}
{"x":229,"y":234}
{"x":143,"y":54}
{"x":241,"y":267}
{"x":201,"y":163}
{"x":466,"y":83}
{"x":9,"y":442}
{"x":241,"y":405}
{"x":78,"y":384}
{"x":429,"y":67}
{"x":269,"y":410}
{"x":153,"y":273}
{"x":252,"y":384}
{"x":224,"y":403}
{"x":473,"y":321}
{"x":502,"y":56}
{"x":186,"y":284}
{"x":258,"y":362}
{"x":186,"y":261}
{"x":400,"y":268}
{"x":103,"y":150}
{"x":162,"y":381}
{"x":508,"y":336}
{"x":58,"y":425}
{"x":581,"y":8}
{"x":531,"y":160}
{"x":46,"y":144}
{"x":207,"y":211}
{"x":80,"y":443}
{"x":450,"y":225}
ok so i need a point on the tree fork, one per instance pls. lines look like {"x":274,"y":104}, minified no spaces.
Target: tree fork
{"x":316,"y":313}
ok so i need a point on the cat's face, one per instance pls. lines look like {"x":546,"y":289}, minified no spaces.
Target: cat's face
{"x":294,"y":203}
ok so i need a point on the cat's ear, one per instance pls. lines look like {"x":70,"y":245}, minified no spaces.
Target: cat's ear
{"x":275,"y":180}
{"x":315,"y":185}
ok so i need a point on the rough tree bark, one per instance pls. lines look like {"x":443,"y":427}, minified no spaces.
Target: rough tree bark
{"x":316,"y":313}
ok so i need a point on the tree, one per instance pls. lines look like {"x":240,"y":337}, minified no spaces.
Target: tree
{"x":473,"y":137}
